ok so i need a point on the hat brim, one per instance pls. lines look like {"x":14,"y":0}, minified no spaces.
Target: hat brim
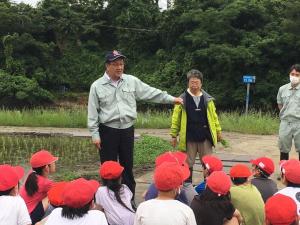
{"x":94,"y":185}
{"x":19,"y":171}
{"x":116,"y":57}
{"x":185,"y":171}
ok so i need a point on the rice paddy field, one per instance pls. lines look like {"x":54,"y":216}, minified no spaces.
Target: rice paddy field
{"x":77,"y":156}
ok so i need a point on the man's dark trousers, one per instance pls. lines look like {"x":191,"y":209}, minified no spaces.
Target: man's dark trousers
{"x":117,"y":145}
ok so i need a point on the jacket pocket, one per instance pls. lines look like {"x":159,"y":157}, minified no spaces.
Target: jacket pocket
{"x":128,"y":94}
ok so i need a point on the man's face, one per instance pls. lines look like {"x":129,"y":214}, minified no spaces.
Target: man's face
{"x":115,"y":68}
{"x":295,"y":73}
{"x":195,"y":84}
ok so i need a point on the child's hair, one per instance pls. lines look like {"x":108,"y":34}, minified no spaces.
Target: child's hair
{"x":31,"y":185}
{"x":211,"y":199}
{"x":291,"y":184}
{"x":262,"y":173}
{"x":6,"y":192}
{"x":239,"y":180}
{"x":72,"y":213}
{"x":117,"y":188}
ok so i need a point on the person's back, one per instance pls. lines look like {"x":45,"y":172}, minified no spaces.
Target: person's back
{"x":262,"y":168}
{"x":114,"y":211}
{"x":78,"y":199}
{"x":13,"y":210}
{"x":163,"y":212}
{"x":213,"y":206}
{"x":265,"y":186}
{"x":92,"y":217}
{"x":247,"y":199}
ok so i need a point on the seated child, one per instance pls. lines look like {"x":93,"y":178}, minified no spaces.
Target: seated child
{"x":214,"y":206}
{"x":165,"y":210}
{"x":55,"y":199}
{"x":78,"y":199}
{"x":290,"y":177}
{"x":262,"y":169}
{"x":37,"y":184}
{"x":114,"y":197}
{"x":13,"y":210}
{"x":187,"y":192}
{"x":245,"y":197}
{"x":280,"y":210}
{"x":209,"y":164}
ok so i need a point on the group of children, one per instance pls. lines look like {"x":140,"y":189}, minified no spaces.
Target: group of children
{"x":242,"y":197}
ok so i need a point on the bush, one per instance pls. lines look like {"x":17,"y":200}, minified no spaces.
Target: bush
{"x":21,"y":91}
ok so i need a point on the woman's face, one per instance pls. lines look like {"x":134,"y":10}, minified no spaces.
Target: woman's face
{"x":195,"y":84}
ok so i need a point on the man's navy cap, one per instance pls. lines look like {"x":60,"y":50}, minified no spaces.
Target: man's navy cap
{"x":113,"y":55}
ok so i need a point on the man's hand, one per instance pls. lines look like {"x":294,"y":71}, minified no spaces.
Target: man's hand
{"x":174,"y":142}
{"x":178,"y":101}
{"x":97,"y":143}
{"x":219,"y":136}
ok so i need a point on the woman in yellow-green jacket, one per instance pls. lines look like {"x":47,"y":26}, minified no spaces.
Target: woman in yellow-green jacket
{"x":196,"y":121}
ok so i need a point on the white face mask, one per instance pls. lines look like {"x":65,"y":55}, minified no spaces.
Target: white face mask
{"x":294,"y":80}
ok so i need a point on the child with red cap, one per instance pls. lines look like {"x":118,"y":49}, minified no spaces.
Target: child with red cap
{"x":165,"y":210}
{"x":37,"y":184}
{"x":187,"y":192}
{"x":209,"y":164}
{"x":290,"y":177}
{"x":213,"y":206}
{"x":281,"y":210}
{"x":263,"y":167}
{"x":115,"y":197}
{"x":13,"y":210}
{"x":245,"y":197}
{"x":55,"y":198}
{"x":78,"y":200}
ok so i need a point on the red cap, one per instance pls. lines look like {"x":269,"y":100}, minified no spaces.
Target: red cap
{"x":212,"y":163}
{"x":239,"y":170}
{"x":42,"y":158}
{"x":80,"y":192}
{"x":55,"y":193}
{"x":219,"y":182}
{"x":110,"y":170}
{"x":10,"y":176}
{"x":169,"y":156}
{"x":169,"y":175}
{"x":280,"y":210}
{"x":265,"y":164}
{"x":291,"y":170}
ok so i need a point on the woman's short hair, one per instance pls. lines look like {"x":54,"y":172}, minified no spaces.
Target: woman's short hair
{"x":194,"y":74}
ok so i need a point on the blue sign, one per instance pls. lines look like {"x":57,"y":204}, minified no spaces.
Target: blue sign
{"x":248,"y":79}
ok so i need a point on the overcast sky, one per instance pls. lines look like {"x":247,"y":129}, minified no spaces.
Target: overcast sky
{"x":162,"y":3}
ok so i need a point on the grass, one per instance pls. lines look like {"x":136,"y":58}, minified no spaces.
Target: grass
{"x":253,"y":123}
{"x":77,"y":156}
{"x":76,"y":117}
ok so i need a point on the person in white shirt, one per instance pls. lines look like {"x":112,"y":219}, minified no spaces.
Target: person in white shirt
{"x":290,"y":177}
{"x":165,"y":210}
{"x":114,"y":197}
{"x":78,"y":198}
{"x":13,"y":209}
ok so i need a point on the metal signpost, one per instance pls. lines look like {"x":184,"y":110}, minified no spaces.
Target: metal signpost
{"x":248,"y":79}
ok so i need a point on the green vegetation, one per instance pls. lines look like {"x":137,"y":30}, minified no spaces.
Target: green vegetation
{"x":254,"y":123}
{"x":74,"y":117}
{"x":77,"y":156}
{"x":60,"y":45}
